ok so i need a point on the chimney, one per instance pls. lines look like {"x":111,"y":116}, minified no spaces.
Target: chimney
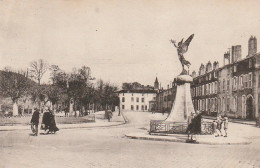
{"x":252,"y":46}
{"x":236,"y":53}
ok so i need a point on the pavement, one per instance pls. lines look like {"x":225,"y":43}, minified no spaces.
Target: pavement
{"x":107,"y":147}
{"x":238,"y":134}
{"x":99,"y":122}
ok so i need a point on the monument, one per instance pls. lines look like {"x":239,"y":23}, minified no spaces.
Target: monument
{"x":182,"y":107}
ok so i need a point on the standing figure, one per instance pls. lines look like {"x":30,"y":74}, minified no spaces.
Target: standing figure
{"x":214,"y":128}
{"x":225,"y":125}
{"x":219,"y":126}
{"x":190,"y":127}
{"x":182,"y":48}
{"x":35,"y":122}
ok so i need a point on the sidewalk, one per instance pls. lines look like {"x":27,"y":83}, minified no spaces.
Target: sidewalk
{"x":240,"y":121}
{"x":238,"y":134}
{"x":100,"y":122}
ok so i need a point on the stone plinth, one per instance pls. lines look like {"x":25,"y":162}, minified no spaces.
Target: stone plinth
{"x":182,"y":106}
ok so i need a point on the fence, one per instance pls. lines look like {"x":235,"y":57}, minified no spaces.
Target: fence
{"x":161,"y":126}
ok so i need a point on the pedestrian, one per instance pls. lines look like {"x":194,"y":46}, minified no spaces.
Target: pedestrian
{"x":225,"y":125}
{"x":219,"y":126}
{"x":189,"y":130}
{"x":35,"y":121}
{"x":214,"y":128}
{"x":110,"y":114}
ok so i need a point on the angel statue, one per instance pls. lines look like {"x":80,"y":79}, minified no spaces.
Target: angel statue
{"x":182,"y":48}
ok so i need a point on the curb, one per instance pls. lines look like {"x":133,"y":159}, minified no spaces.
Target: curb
{"x":183,"y":141}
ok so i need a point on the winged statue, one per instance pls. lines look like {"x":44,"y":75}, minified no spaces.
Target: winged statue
{"x":182,"y":48}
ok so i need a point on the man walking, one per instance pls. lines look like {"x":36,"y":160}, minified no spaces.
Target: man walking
{"x":35,"y":121}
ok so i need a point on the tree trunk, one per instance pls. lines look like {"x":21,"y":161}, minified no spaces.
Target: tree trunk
{"x":15,"y":109}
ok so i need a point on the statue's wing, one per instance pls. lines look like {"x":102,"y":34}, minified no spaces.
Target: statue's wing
{"x":186,"y":44}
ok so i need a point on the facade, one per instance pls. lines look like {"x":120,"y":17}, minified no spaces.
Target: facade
{"x":165,"y":98}
{"x":137,"y":100}
{"x":232,"y":89}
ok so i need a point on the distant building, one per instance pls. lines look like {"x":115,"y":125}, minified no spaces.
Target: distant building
{"x":142,"y":99}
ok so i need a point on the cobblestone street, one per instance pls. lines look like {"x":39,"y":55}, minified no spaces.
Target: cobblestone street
{"x":107,"y":147}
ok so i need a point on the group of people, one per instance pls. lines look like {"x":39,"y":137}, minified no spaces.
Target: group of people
{"x":48,"y":122}
{"x":219,"y":125}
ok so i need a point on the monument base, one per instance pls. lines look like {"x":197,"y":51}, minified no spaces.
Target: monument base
{"x":182,"y":106}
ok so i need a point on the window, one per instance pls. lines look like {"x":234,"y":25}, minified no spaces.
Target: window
{"x":137,"y":107}
{"x":228,"y":100}
{"x":216,"y":87}
{"x":245,"y":81}
{"x":143,"y":99}
{"x":146,"y":107}
{"x":250,"y":80}
{"x":132,"y":107}
{"x":228,"y":84}
{"x":123,"y":99}
{"x":123,"y":107}
{"x":223,"y":85}
{"x":123,"y":94}
{"x":137,"y":99}
{"x":132,"y":94}
{"x":132,"y":99}
{"x":240,"y":81}
{"x":142,"y":107}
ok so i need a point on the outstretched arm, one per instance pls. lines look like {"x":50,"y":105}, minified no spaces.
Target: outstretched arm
{"x":173,"y":42}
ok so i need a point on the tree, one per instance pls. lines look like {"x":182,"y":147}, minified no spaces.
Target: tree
{"x":38,"y":69}
{"x":14,"y":84}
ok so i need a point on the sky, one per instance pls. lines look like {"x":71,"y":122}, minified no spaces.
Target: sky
{"x":124,"y":40}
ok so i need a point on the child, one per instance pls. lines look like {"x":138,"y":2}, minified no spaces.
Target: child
{"x":225,"y":125}
{"x":219,"y":126}
{"x":214,"y":128}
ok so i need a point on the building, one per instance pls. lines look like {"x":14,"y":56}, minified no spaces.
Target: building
{"x":137,"y":99}
{"x":165,"y":98}
{"x":232,"y":89}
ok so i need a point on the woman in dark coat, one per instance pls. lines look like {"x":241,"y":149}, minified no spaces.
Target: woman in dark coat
{"x":53,"y":128}
{"x":48,"y":120}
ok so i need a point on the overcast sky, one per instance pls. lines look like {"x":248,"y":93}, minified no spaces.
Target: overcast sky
{"x":123,"y":40}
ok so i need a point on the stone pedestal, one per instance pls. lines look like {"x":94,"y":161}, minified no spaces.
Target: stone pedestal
{"x":182,"y":106}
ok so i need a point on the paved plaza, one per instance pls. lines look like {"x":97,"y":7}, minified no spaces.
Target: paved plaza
{"x":107,"y":147}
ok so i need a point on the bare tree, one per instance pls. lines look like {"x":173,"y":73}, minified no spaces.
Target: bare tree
{"x":38,"y":69}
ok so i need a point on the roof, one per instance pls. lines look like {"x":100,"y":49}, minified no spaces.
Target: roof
{"x":138,"y":91}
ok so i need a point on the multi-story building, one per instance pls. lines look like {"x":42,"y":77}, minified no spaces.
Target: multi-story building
{"x":138,"y":99}
{"x":232,"y":89}
{"x":165,"y":98}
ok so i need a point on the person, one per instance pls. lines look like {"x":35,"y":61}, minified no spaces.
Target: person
{"x":219,"y":126}
{"x":52,"y":127}
{"x":197,"y":122}
{"x":110,"y":114}
{"x":46,"y":120}
{"x":214,"y":128}
{"x":225,"y":125}
{"x":190,"y":127}
{"x":35,"y":122}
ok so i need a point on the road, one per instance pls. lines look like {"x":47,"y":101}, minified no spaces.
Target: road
{"x":107,"y":148}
